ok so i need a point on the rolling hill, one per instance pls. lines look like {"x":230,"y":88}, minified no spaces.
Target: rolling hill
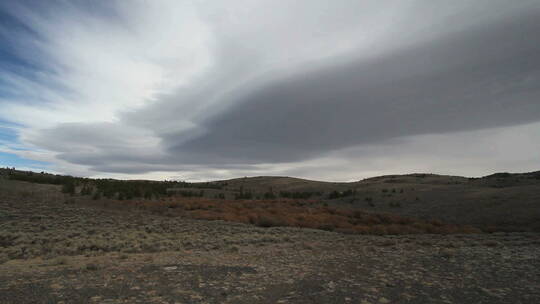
{"x":498,"y":202}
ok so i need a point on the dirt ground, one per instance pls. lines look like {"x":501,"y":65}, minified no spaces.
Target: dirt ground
{"x":52,"y":251}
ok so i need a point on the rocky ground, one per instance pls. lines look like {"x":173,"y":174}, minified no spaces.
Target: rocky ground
{"x":53,"y":251}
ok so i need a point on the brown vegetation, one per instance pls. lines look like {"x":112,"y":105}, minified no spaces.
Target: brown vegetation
{"x":500,"y":202}
{"x":292,"y":213}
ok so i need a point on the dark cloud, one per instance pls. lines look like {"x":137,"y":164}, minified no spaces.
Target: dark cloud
{"x":484,"y":77}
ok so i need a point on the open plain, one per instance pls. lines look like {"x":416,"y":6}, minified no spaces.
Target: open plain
{"x":55,"y":249}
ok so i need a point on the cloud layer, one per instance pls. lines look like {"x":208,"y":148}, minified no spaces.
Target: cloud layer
{"x":201,"y":90}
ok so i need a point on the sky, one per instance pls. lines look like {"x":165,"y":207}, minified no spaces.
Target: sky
{"x":327,"y":90}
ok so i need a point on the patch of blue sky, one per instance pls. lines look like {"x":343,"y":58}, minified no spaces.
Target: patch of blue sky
{"x":6,"y":124}
{"x":23,"y":72}
{"x":6,"y":136}
{"x":11,"y":31}
{"x":9,"y":19}
{"x":12,"y":160}
{"x":8,"y":133}
{"x":9,"y":138}
{"x":20,"y":61}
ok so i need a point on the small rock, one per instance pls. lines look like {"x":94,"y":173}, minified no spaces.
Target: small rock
{"x":447,"y":253}
{"x":331,"y":285}
{"x":56,"y":286}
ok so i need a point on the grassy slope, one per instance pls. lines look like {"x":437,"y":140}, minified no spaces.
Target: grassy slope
{"x":508,"y":202}
{"x":261,"y":184}
{"x":505,"y":201}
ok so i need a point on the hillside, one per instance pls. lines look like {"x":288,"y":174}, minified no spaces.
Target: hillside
{"x":263,"y":184}
{"x":498,"y":202}
{"x":62,"y":247}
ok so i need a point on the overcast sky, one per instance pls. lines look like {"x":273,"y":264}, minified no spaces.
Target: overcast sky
{"x":327,"y":90}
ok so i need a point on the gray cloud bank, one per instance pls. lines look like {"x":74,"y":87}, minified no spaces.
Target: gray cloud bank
{"x":486,"y":77}
{"x":465,"y":75}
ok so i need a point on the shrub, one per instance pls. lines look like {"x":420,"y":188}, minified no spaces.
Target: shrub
{"x":86,"y":190}
{"x":96,"y":196}
{"x":269,"y":195}
{"x":491,"y":243}
{"x":68,"y":187}
{"x":327,"y":227}
{"x":269,"y":221}
{"x":289,"y":212}
{"x":394,"y":204}
{"x":59,"y":261}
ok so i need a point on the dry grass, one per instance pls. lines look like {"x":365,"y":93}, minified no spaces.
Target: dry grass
{"x":291,"y":213}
